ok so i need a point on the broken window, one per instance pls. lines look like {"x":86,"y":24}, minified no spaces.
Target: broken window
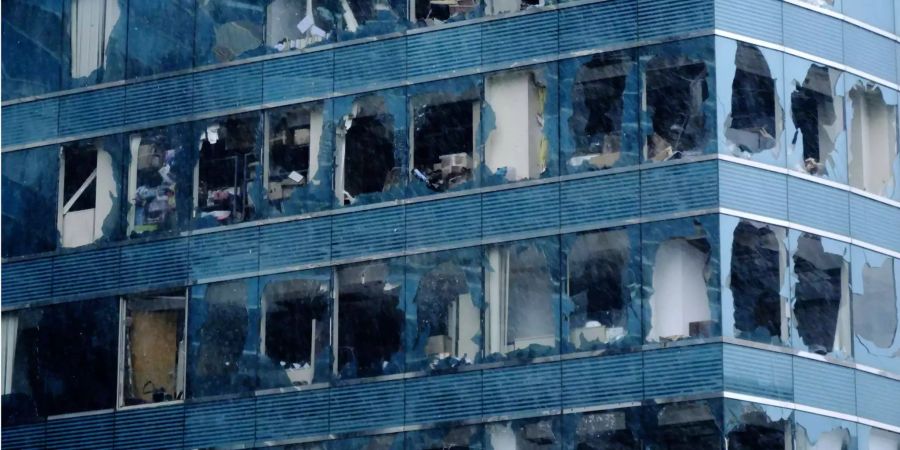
{"x":678,"y":101}
{"x":369,"y":319}
{"x":363,"y":18}
{"x":378,"y":442}
{"x":227,"y":186}
{"x":599,"y":108}
{"x":222,"y":325}
{"x":29,"y":189}
{"x":88,"y":191}
{"x":160,"y":37}
{"x":96,"y":44}
{"x":494,"y":7}
{"x":446,"y":293}
{"x":816,"y":130}
{"x":159,"y":180}
{"x":32,"y":33}
{"x":59,"y":359}
{"x":684,"y":426}
{"x":298,"y":24}
{"x":815,"y":432}
{"x":228,"y":30}
{"x":295,"y":341}
{"x":616,"y":429}
{"x":751,"y":426}
{"x":446,"y":438}
{"x":876,"y":309}
{"x":754,"y":300}
{"x":541,"y":433}
{"x":680,"y":275}
{"x":298,"y":160}
{"x":436,"y":12}
{"x":446,"y":118}
{"x":821,"y":300}
{"x":519,"y":119}
{"x":871,"y":438}
{"x":371,"y":148}
{"x":603,"y":287}
{"x":874,"y":162}
{"x":752,"y":119}
{"x":154,"y":348}
{"x":522,"y":292}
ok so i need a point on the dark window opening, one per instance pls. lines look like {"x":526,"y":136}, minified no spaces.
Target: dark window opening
{"x":813,"y":109}
{"x":753,"y":102}
{"x":154,"y":348}
{"x":756,"y":282}
{"x":370,"y":323}
{"x":758,"y":432}
{"x":675,"y":93}
{"x":524,"y":434}
{"x":369,"y":163}
{"x":228,"y":170}
{"x":444,"y":143}
{"x":435,"y":12}
{"x":691,"y":426}
{"x":293,"y":143}
{"x":80,"y":178}
{"x":598,"y":109}
{"x":447,"y":319}
{"x":605,"y":431}
{"x":819,"y":294}
{"x":295,"y":327}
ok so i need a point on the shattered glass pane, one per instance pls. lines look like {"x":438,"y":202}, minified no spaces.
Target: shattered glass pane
{"x":876,"y":314}
{"x":370,"y":147}
{"x":160,"y":180}
{"x":299,"y":160}
{"x":378,"y":442}
{"x":448,"y":437}
{"x":228,"y":30}
{"x":751,"y":426}
{"x":426,"y":13}
{"x":160,"y":37}
{"x":815,"y":432}
{"x":519,"y":121}
{"x":154,"y":340}
{"x":223,"y":321}
{"x":522,"y":291}
{"x":821,"y":294}
{"x":51,"y":348}
{"x":599,"y":109}
{"x":89,"y":206}
{"x":817,"y":142}
{"x":363,"y":18}
{"x":751,"y":111}
{"x":444,"y":303}
{"x":94,"y":42}
{"x":679,"y":105}
{"x":32,"y":32}
{"x":681,"y":279}
{"x":755,"y":281}
{"x":227,"y":185}
{"x":872,"y":131}
{"x":602,"y":289}
{"x":615,"y":429}
{"x":299,"y":24}
{"x":369,"y":319}
{"x":684,"y":426}
{"x":29,"y":190}
{"x":446,"y":121}
{"x":295,"y":332}
{"x":541,"y":433}
{"x":828,"y":4}
{"x":871,"y":438}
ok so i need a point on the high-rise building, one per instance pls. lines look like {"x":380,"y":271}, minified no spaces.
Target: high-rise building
{"x":434,"y":224}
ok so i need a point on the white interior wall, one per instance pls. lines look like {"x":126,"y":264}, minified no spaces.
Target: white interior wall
{"x":883,"y":440}
{"x":510,"y":144}
{"x":844,"y":335}
{"x":872,"y":134}
{"x":10,"y":332}
{"x":92,"y":24}
{"x":134,"y":144}
{"x":316,"y":124}
{"x":469,"y":324}
{"x":106,"y":191}
{"x":679,"y":289}
{"x":495,"y":330}
{"x":282,"y":17}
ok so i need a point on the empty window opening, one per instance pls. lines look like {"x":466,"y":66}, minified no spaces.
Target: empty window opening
{"x":758,"y":259}
{"x":154,"y":358}
{"x":521,"y":304}
{"x":297,"y":24}
{"x":836,"y":438}
{"x":821,"y":306}
{"x":679,"y":304}
{"x":294,"y":334}
{"x":516,"y":148}
{"x":757,"y":431}
{"x":598,"y":110}
{"x":92,"y":23}
{"x":605,"y":430}
{"x":873,"y":139}
{"x":598,"y":287}
{"x":436,"y":12}
{"x":228,"y":30}
{"x":443,"y":144}
{"x":153,"y":181}
{"x":752,"y":124}
{"x":87,"y":190}
{"x":875,"y":304}
{"x":685,"y":426}
{"x":525,"y":434}
{"x":882,"y":440}
{"x":817,"y":118}
{"x":293,"y":149}
{"x":369,"y":321}
{"x":449,"y":438}
{"x":494,"y":7}
{"x":448,"y":320}
{"x":366,"y":160}
{"x":675,"y":92}
{"x":228,"y":171}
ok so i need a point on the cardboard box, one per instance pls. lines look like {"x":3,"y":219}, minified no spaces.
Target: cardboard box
{"x":439,"y":344}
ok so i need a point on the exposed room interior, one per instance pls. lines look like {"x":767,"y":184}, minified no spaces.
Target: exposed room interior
{"x":821,"y":307}
{"x":873,"y":139}
{"x":605,"y":430}
{"x":817,"y":115}
{"x":444,"y":137}
{"x":448,"y":319}
{"x":758,"y":262}
{"x":292,"y":151}
{"x":516,"y":148}
{"x":227,"y":170}
{"x":675,"y":90}
{"x":153,"y":181}
{"x":598,"y":110}
{"x":366,"y":163}
{"x":752,"y":125}
{"x":686,"y":426}
{"x":87,"y":189}
{"x":679,"y":303}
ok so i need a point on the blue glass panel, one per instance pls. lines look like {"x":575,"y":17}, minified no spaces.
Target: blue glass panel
{"x":160,"y":37}
{"x":32,"y":47}
{"x":227,"y":30}
{"x":876,"y":309}
{"x":29,"y":192}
